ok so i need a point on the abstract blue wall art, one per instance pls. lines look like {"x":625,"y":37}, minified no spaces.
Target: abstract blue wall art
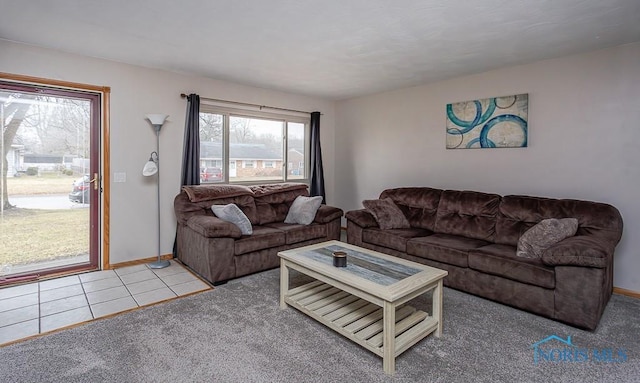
{"x":499,"y":122}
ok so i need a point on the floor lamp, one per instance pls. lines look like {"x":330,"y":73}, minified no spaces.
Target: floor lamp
{"x":151,"y":168}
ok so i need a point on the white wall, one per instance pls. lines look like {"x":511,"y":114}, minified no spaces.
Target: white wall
{"x":584,"y":139}
{"x":136,"y":91}
{"x":583,"y":118}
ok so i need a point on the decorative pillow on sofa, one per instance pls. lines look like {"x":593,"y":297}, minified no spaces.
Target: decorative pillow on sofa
{"x":303,"y":210}
{"x":387,"y":213}
{"x":544,"y":234}
{"x":232,"y":213}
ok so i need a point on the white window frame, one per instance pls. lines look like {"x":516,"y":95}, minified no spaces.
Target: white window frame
{"x":245,"y":164}
{"x":286,"y":118}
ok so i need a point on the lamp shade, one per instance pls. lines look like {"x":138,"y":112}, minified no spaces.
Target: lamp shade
{"x":150,"y":168}
{"x":157,"y":119}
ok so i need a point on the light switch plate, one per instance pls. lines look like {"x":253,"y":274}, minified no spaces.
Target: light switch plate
{"x":119,"y":177}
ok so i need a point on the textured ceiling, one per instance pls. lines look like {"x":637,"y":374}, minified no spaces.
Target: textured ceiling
{"x":335,"y":49}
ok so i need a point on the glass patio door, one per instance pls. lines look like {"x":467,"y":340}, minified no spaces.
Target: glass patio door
{"x":49,"y":214}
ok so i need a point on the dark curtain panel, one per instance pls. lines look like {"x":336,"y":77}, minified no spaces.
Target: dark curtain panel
{"x":191,"y":152}
{"x":316,"y":172}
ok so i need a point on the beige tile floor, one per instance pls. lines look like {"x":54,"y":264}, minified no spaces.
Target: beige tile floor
{"x":40,"y":307}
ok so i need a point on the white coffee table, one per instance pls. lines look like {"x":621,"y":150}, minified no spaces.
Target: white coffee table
{"x":365,"y":301}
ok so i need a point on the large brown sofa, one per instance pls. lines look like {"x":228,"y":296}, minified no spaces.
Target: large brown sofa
{"x":218,"y":251}
{"x":474,"y":237}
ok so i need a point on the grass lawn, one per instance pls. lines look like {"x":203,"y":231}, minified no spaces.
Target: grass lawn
{"x":29,"y":235}
{"x":45,"y":184}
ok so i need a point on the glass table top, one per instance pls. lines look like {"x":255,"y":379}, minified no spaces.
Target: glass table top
{"x":378,"y":270}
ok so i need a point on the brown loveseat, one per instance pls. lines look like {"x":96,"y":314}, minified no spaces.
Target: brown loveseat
{"x":474,"y":237}
{"x":218,"y":251}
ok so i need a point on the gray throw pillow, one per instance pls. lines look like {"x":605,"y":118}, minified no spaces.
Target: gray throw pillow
{"x":232,"y":213}
{"x":303,"y":210}
{"x":387,"y":213}
{"x":545,"y":234}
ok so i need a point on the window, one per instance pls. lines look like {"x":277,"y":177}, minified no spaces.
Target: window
{"x":51,"y":144}
{"x":296,"y":153}
{"x":259,"y":143}
{"x":211,"y":164}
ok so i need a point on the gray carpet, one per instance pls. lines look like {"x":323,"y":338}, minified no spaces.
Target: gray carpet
{"x":237,"y":333}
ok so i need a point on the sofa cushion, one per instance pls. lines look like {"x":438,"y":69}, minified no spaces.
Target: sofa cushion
{"x":303,"y":210}
{"x":273,"y":201}
{"x":502,"y":260}
{"x":264,"y":190}
{"x":213,"y":227}
{"x":186,"y":209}
{"x":467,"y":214}
{"x":444,"y":248}
{"x":262,"y":238}
{"x":295,"y":233}
{"x":232,"y":213}
{"x":580,"y":250}
{"x":386,"y":213}
{"x":393,"y":238}
{"x":419,"y":204}
{"x":544,"y":234}
{"x":519,"y":213}
{"x":199,"y":193}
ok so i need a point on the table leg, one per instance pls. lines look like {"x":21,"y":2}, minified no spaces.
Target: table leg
{"x":437,"y":307}
{"x":389,"y":338}
{"x":284,"y":282}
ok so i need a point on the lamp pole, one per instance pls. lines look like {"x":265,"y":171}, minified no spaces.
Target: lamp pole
{"x":157,"y":120}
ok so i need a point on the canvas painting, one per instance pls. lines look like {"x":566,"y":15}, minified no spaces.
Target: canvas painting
{"x":499,"y":122}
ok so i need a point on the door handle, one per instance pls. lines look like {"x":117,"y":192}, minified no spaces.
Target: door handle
{"x":94,"y":181}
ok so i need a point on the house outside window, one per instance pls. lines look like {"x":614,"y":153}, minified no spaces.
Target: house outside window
{"x":253,"y":146}
{"x":296,"y":163}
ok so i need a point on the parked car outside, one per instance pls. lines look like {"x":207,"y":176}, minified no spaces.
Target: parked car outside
{"x":81,"y":189}
{"x":210,"y":174}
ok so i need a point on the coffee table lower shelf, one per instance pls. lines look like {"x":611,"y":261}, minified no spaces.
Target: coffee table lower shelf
{"x":359,"y":320}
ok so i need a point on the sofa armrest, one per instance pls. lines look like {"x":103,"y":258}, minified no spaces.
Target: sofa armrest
{"x":213,"y":227}
{"x":361,"y":218}
{"x":579,"y":250}
{"x":326,"y":214}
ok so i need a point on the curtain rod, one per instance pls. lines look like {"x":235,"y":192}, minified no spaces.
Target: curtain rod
{"x":247,"y":104}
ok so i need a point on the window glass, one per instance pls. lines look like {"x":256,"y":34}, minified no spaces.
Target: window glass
{"x":211,"y":148}
{"x":253,"y":140}
{"x":251,"y":147}
{"x":296,"y":150}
